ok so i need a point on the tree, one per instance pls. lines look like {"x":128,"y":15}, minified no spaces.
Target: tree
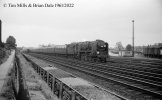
{"x":128,"y":47}
{"x":11,"y":42}
{"x":119,"y":46}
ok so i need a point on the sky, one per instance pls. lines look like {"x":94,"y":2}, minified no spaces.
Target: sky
{"x":88,"y":20}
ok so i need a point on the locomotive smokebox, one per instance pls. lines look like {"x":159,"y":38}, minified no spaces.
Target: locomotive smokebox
{"x":0,"y":32}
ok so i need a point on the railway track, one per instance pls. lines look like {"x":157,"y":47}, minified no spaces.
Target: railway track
{"x":142,"y":84}
{"x":137,"y":61}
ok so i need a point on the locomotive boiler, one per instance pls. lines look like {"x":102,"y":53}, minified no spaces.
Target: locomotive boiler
{"x":89,"y":50}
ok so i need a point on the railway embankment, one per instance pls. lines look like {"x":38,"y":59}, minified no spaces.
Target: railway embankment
{"x":19,"y":81}
{"x":4,"y":55}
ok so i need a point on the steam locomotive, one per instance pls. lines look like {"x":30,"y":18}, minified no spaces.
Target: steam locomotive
{"x":87,"y":51}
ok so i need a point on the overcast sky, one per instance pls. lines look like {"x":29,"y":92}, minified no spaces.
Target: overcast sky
{"x":109,"y":20}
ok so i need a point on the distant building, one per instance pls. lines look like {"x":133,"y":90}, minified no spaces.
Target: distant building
{"x":125,"y":53}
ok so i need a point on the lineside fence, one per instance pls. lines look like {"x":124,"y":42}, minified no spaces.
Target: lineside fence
{"x":60,"y":89}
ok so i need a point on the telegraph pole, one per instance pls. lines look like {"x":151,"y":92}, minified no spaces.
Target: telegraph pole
{"x":133,"y":39}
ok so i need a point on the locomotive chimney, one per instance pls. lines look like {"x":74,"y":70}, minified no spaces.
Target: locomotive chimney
{"x":0,"y":32}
